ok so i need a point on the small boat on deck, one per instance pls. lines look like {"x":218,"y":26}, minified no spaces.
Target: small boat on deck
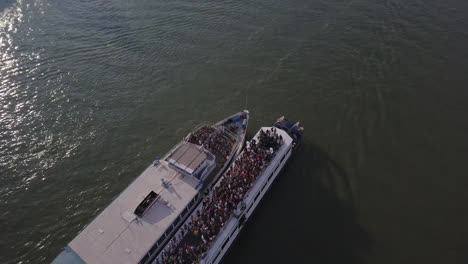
{"x":140,"y":221}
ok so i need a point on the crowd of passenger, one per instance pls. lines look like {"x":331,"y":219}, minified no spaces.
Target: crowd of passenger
{"x":215,"y":141}
{"x":198,"y":137}
{"x":220,"y":145}
{"x":195,"y":237}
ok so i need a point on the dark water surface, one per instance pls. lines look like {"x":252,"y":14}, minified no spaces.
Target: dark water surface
{"x":92,"y":91}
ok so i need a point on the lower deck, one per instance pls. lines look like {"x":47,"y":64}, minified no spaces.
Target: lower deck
{"x":235,"y":224}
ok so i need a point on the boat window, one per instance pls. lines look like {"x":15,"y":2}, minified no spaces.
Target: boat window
{"x":169,"y":229}
{"x":248,"y":210}
{"x":217,"y":255}
{"x":161,"y":239}
{"x":153,"y":248}
{"x":233,"y":231}
{"x":282,"y":158}
{"x":184,"y":211}
{"x":225,"y":242}
{"x":271,"y":175}
{"x":191,"y":203}
{"x":176,"y":221}
{"x":256,"y":196}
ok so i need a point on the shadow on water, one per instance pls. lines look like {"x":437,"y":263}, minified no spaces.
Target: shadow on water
{"x":308,"y":216}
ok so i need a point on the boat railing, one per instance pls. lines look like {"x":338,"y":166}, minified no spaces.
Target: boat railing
{"x":273,"y":156}
{"x":224,"y":131}
{"x":203,"y":124}
{"x":186,"y":138}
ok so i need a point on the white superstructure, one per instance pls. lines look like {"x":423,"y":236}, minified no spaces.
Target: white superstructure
{"x":140,"y":221}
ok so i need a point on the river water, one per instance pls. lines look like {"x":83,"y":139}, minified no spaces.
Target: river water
{"x":92,"y":91}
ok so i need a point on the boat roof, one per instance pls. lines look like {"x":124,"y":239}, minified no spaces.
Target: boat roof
{"x":187,"y":157}
{"x":117,"y":235}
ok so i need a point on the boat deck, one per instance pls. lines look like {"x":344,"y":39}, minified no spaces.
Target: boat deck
{"x":117,"y":235}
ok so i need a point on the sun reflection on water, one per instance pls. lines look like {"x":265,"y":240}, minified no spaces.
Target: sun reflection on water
{"x":40,"y":124}
{"x":19,"y":110}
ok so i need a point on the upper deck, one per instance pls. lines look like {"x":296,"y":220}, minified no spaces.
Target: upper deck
{"x":117,"y":235}
{"x":251,"y":195}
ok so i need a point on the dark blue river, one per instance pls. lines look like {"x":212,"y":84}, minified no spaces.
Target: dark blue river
{"x":92,"y":91}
